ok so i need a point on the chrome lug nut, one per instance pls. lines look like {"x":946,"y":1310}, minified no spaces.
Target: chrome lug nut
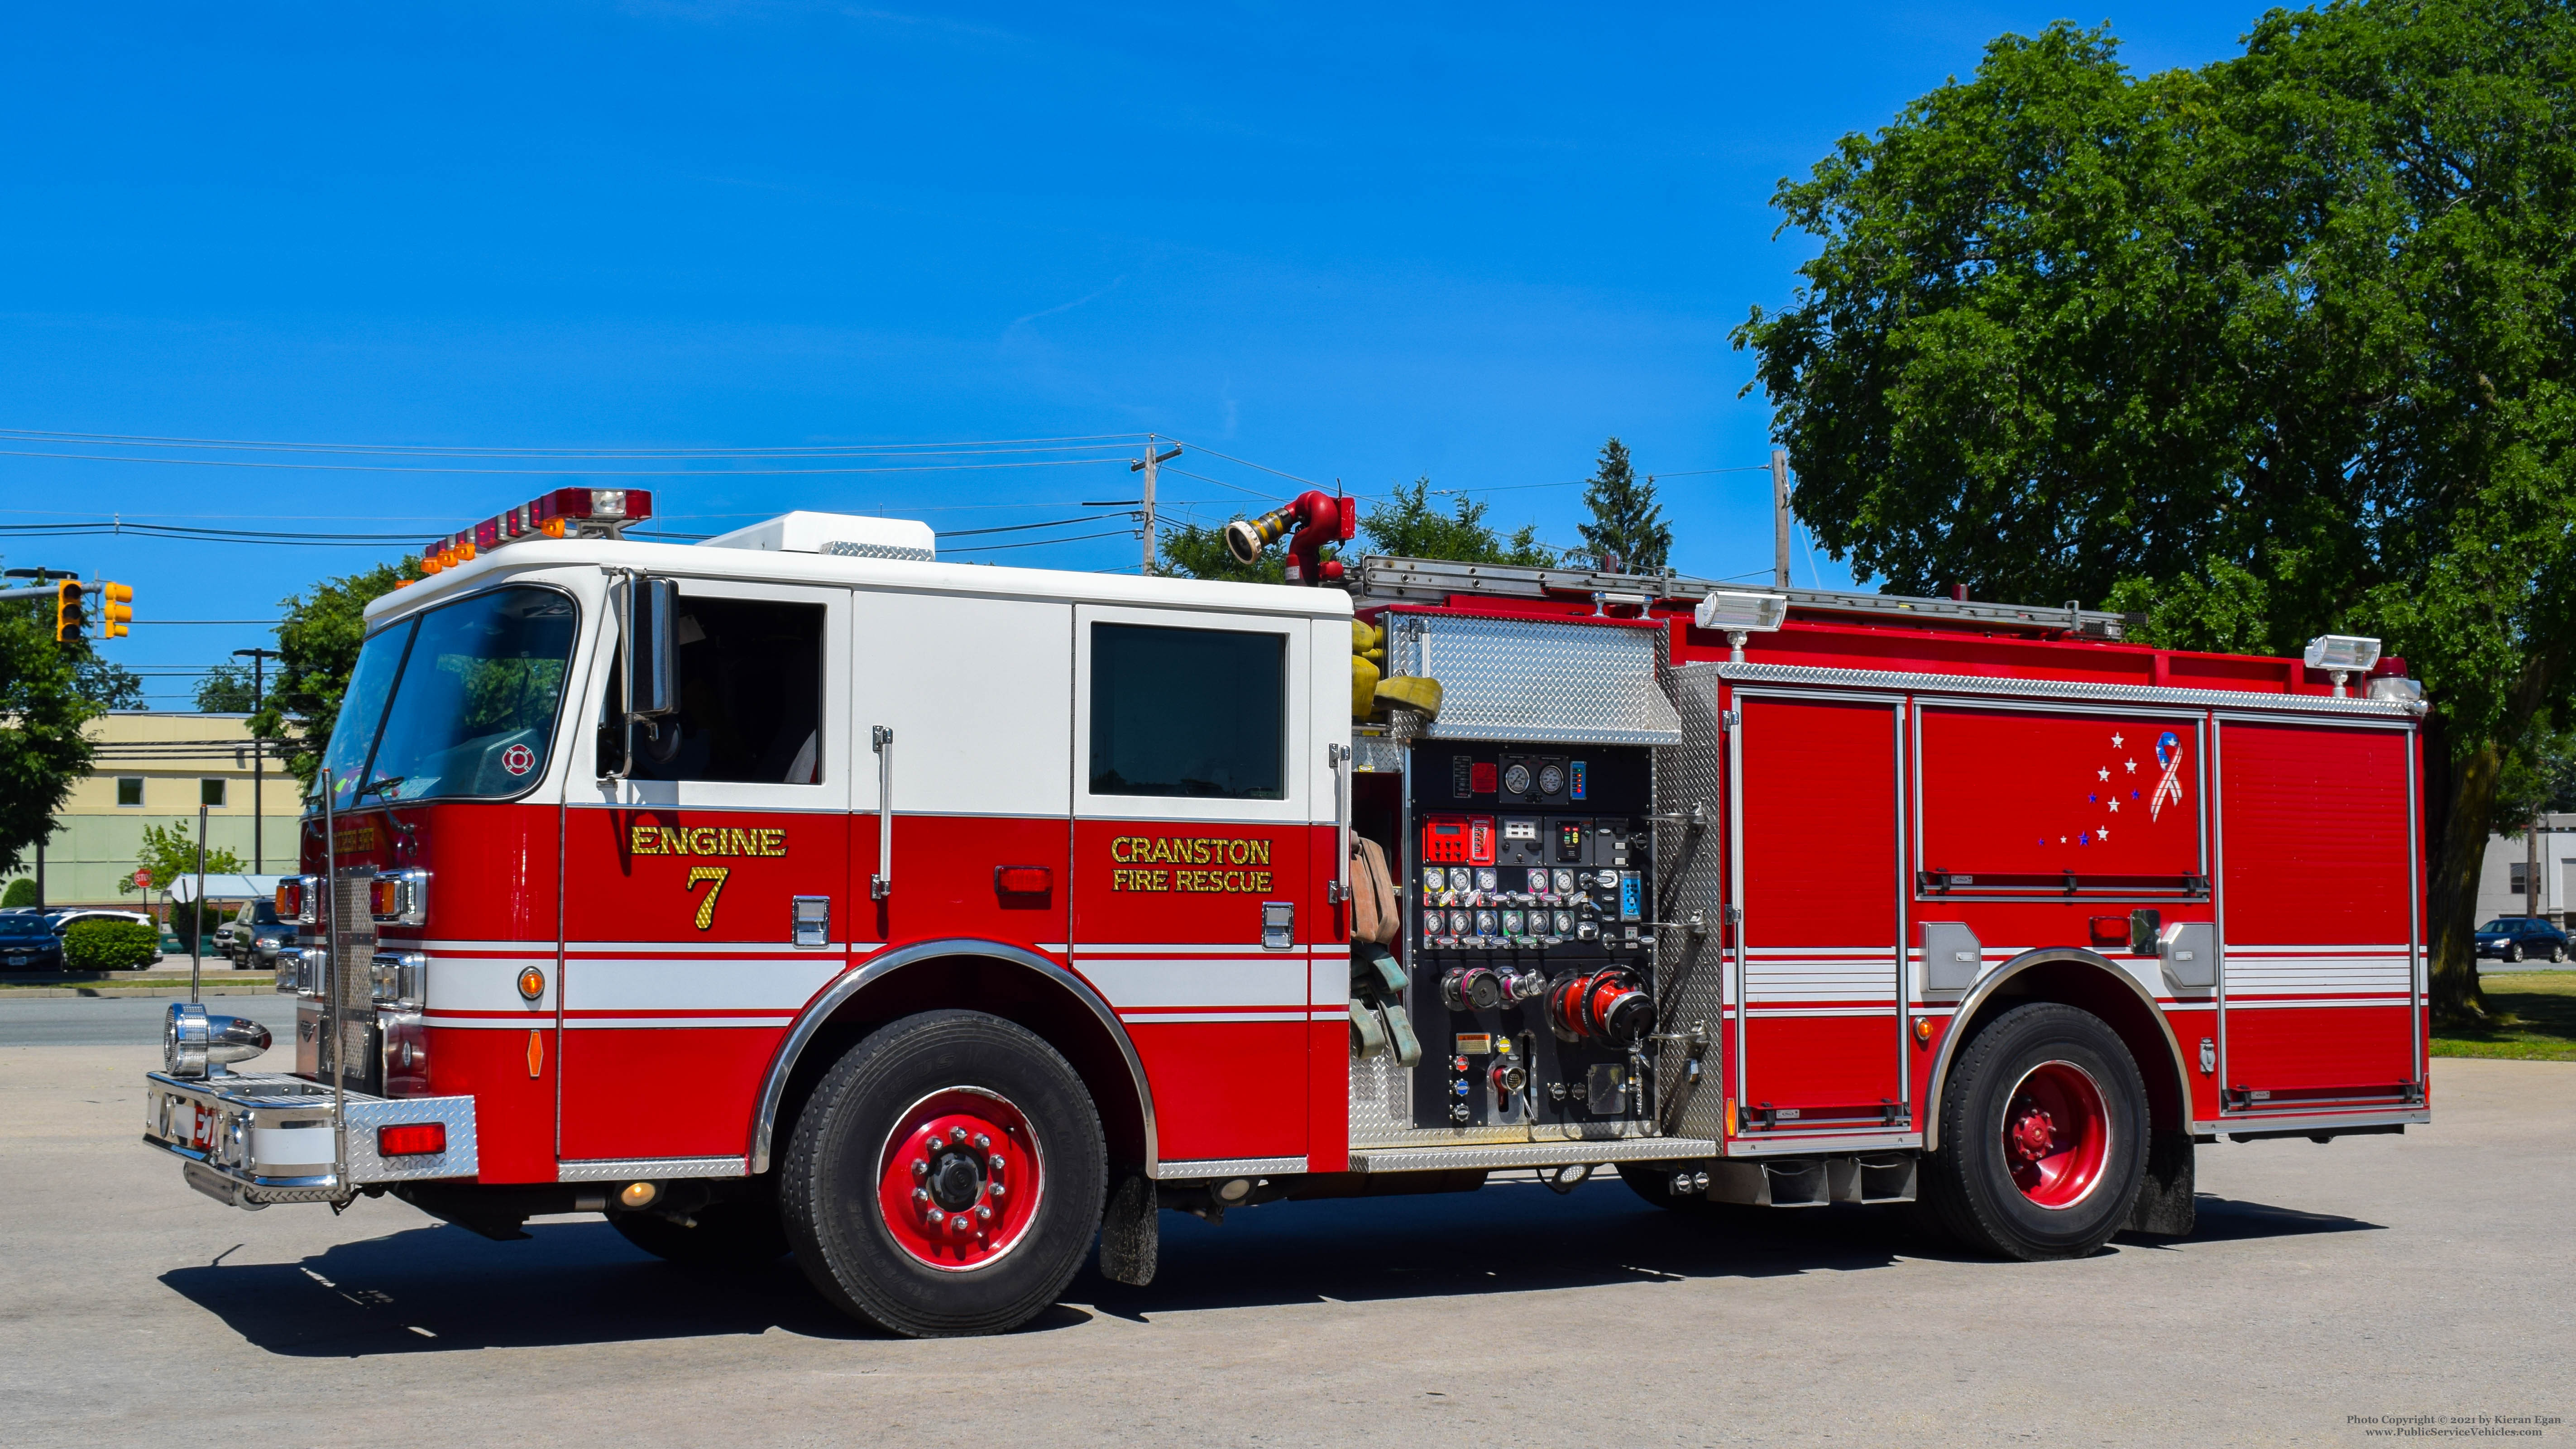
{"x":983,"y":1143}
{"x":921,"y":1167}
{"x":921,"y":1194}
{"x":995,"y":1191}
{"x":983,"y":1214}
{"x":956,"y":1134}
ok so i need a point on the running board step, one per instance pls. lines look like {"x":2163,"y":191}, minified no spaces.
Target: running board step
{"x":1813,"y":1181}
{"x":1530,"y":1154}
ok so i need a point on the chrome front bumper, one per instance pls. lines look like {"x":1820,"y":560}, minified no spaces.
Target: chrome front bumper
{"x":249,"y":1139}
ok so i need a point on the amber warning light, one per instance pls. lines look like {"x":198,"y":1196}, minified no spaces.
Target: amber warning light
{"x":563,"y":513}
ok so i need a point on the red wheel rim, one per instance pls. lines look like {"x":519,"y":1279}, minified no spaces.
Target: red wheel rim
{"x":2056,"y":1134}
{"x":960,"y":1178}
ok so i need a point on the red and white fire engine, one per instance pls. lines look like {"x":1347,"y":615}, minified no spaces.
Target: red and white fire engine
{"x":798,"y":891}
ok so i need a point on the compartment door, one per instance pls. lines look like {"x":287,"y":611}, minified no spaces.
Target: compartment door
{"x":1818,"y":873}
{"x":2319,"y":967}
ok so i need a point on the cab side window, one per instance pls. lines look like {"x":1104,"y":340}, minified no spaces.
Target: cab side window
{"x":751,"y":692}
{"x":1189,"y":712}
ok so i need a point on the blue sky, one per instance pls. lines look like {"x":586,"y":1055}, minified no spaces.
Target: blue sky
{"x":1362,"y":244}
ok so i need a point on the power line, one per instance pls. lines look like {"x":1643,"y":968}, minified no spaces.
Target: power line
{"x":553,"y":472}
{"x":1066,"y":443}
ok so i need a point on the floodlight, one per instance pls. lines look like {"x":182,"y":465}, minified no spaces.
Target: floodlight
{"x":1740,"y":612}
{"x":2342,"y":655}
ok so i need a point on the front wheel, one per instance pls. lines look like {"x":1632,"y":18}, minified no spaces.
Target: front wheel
{"x":946,"y":1176}
{"x":2043,"y":1136}
{"x":2513,"y":953}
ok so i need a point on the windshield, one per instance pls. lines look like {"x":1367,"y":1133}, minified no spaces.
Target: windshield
{"x":24,"y":926}
{"x":459,"y":702}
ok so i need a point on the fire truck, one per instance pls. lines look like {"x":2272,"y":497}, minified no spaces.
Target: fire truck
{"x":796,"y":891}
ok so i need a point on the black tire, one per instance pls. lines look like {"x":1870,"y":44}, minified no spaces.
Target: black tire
{"x":744,"y":1234}
{"x":829,"y":1184}
{"x":2513,"y":953}
{"x":1967,"y":1187}
{"x":2558,"y":955}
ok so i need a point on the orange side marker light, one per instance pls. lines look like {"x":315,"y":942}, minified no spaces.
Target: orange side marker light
{"x":536,"y":1054}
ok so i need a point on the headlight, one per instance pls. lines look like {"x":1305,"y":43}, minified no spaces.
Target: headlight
{"x":400,"y":978}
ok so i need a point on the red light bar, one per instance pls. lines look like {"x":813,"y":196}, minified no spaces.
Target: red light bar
{"x":550,"y":515}
{"x":411,"y":1139}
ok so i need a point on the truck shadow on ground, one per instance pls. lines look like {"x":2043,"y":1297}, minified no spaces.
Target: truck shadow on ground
{"x":436,"y":1288}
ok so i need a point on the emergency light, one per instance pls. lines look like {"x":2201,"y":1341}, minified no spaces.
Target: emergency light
{"x":1739,"y":612}
{"x":563,"y":513}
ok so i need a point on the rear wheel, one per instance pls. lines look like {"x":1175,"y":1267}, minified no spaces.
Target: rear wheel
{"x":745,"y":1234}
{"x":946,"y":1176}
{"x":2558,"y":954}
{"x":2043,"y":1137}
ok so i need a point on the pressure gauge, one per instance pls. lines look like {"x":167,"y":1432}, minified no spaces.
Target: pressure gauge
{"x":1551,"y":780}
{"x":1538,"y":881}
{"x":1488,"y":880}
{"x":1458,"y":878}
{"x":1511,"y":923}
{"x":1457,"y":923}
{"x":1565,"y":923}
{"x":1565,"y":882}
{"x":1516,"y":780}
{"x":1485,"y":923}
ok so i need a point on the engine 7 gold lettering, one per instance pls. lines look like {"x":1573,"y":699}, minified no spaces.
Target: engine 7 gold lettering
{"x":705,"y":840}
{"x":1135,"y":852}
{"x":713,"y":876}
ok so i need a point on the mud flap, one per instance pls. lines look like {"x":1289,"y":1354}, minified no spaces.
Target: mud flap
{"x":1130,"y":1233}
{"x":2165,"y":1207}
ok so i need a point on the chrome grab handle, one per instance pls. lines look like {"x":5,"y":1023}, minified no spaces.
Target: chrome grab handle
{"x":881,"y":884}
{"x":1338,"y":757}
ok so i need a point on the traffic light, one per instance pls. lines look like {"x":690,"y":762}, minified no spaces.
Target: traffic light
{"x":70,"y":619}
{"x":116,"y":610}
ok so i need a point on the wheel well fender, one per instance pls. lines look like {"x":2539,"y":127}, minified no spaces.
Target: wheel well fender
{"x":2088,"y":982}
{"x":1011,"y":982}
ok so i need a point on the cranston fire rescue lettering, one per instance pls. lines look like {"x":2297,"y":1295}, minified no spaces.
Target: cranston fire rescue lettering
{"x":1134,"y":850}
{"x":706,"y":840}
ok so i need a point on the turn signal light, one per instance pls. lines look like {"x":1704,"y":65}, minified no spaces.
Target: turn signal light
{"x":532,"y":983}
{"x":411,"y":1139}
{"x":290,"y":898}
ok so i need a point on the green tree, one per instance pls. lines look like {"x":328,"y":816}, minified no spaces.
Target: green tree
{"x":1626,"y":519}
{"x":317,"y":645}
{"x":1410,"y":525}
{"x":109,"y":686}
{"x":226,"y":689}
{"x":169,"y":852}
{"x":2274,"y":348}
{"x":1192,"y":552}
{"x":42,"y":709}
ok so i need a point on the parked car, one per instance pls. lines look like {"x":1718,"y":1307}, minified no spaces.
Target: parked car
{"x":65,"y":920}
{"x":28,"y":943}
{"x":2519,"y":938}
{"x":251,"y":937}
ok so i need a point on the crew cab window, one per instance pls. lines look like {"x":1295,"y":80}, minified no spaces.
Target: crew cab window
{"x":1191,"y":712}
{"x":751,"y":698}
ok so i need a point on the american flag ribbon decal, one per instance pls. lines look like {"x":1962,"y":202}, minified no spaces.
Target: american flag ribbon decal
{"x":2169,"y":755}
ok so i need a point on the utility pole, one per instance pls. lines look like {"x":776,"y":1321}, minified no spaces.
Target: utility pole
{"x":1780,"y":518}
{"x":258,"y":755}
{"x":1146,"y":466}
{"x":197,"y":907}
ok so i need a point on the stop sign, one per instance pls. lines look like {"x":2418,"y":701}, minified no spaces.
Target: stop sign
{"x":143,"y":880}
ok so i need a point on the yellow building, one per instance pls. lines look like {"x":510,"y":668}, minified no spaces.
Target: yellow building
{"x":155,"y":768}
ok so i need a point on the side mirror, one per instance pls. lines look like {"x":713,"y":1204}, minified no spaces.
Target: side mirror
{"x":2145,"y":926}
{"x":649,"y":647}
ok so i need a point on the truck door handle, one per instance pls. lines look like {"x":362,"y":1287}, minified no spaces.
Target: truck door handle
{"x":881,"y":884}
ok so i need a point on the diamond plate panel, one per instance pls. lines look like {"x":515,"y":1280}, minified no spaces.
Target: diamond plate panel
{"x":1534,"y":1154}
{"x":659,"y":1169}
{"x":1690,"y":966}
{"x":366,"y":1114}
{"x":1377,"y":754}
{"x":1535,"y":679}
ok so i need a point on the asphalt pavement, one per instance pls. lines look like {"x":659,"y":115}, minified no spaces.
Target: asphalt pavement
{"x":125,"y":1020}
{"x":2432,"y":1274}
